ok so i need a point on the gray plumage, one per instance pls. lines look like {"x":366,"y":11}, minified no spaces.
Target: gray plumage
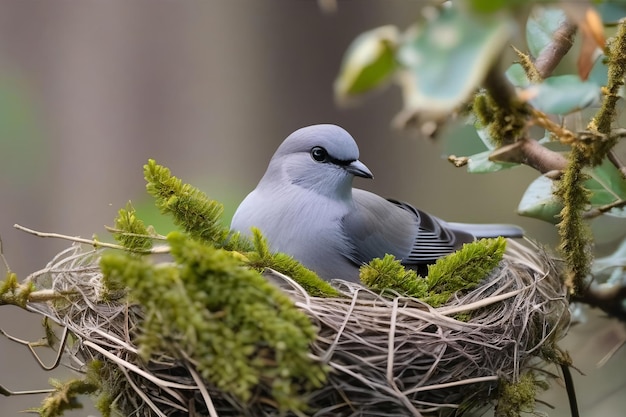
{"x":306,"y":207}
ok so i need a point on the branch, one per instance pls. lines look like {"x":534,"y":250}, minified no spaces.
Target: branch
{"x":574,"y":232}
{"x":598,"y":211}
{"x":608,"y":299}
{"x":615,"y":160}
{"x":508,"y":114}
{"x":603,"y":119}
{"x":93,"y":242}
{"x":565,"y":136}
{"x":532,"y":153}
{"x":552,"y":54}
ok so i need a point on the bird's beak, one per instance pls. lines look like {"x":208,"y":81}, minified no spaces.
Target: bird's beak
{"x":358,"y":168}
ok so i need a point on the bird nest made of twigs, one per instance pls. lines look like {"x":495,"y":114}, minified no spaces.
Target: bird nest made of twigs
{"x":386,"y":355}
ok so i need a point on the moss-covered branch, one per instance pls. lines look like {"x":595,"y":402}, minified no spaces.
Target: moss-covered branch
{"x":603,"y":120}
{"x":574,"y":232}
{"x":576,"y":239}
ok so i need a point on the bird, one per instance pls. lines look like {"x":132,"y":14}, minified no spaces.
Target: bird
{"x":305,"y":205}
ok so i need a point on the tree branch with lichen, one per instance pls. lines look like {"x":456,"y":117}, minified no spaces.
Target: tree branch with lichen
{"x":576,"y":238}
{"x":603,"y":120}
{"x":574,"y":232}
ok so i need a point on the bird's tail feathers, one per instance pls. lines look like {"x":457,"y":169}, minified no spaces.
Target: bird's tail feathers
{"x":488,"y":230}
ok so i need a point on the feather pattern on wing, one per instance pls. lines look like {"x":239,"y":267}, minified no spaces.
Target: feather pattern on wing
{"x":377,"y":226}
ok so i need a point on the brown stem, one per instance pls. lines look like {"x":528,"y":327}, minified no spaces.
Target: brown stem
{"x":500,"y":89}
{"x":532,"y":153}
{"x":618,"y":163}
{"x":598,"y":211}
{"x":551,"y":55}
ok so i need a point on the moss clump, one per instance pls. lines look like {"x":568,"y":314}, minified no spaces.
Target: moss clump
{"x":66,"y":396}
{"x":131,"y":232}
{"x":460,"y":271}
{"x":388,"y":274}
{"x":515,"y":398}
{"x":504,"y":124}
{"x":112,"y":384}
{"x":244,"y":335}
{"x":190,"y":208}
{"x":13,"y":292}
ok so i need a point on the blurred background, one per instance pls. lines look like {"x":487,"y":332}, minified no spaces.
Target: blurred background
{"x":90,"y":90}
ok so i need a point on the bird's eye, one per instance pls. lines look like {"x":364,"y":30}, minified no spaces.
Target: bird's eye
{"x":319,"y":154}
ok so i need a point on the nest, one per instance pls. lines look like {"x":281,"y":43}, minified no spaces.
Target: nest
{"x":388,"y":356}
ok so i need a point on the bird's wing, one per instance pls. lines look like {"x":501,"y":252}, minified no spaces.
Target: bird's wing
{"x":377,"y":226}
{"x":436,"y":238}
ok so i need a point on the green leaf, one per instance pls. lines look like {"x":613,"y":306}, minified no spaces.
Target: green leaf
{"x":491,"y":6}
{"x":611,"y":268}
{"x":541,"y":25}
{"x":607,"y":186}
{"x":564,"y":94}
{"x":517,"y":76}
{"x":485,"y":137}
{"x":611,"y":11}
{"x":488,"y":6}
{"x":480,"y":164}
{"x":539,"y":201}
{"x":446,"y":58}
{"x":599,"y":72}
{"x":368,"y":63}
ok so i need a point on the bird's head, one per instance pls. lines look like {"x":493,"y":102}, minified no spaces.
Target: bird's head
{"x":323,"y":158}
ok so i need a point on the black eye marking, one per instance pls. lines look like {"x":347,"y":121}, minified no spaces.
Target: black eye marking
{"x":319,"y":154}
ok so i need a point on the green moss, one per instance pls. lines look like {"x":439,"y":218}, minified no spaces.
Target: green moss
{"x":243,"y":333}
{"x":465,"y":268}
{"x":604,"y":118}
{"x":515,"y":398}
{"x":388,"y":274}
{"x":460,"y":271}
{"x":190,"y":208}
{"x":551,"y":353}
{"x":51,"y":339}
{"x":65,"y":396}
{"x":13,"y":292}
{"x":131,"y":232}
{"x":112,"y":383}
{"x":573,"y":230}
{"x":528,"y":65}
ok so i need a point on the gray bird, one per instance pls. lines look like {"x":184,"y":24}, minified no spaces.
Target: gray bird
{"x":306,"y":207}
